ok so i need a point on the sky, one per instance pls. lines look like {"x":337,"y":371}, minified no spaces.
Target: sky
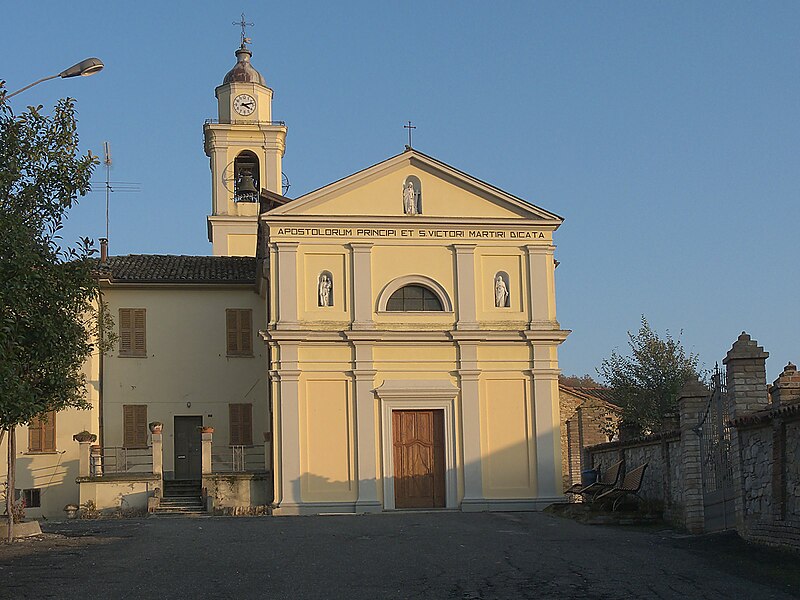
{"x":665,"y":133}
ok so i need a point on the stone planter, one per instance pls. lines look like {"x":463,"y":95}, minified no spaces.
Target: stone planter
{"x":156,"y":427}
{"x":85,"y":436}
{"x":72,"y":510}
{"x":206,"y":429}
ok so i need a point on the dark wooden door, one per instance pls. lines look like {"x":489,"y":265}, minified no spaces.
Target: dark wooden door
{"x":188,"y":448}
{"x":418,"y":444}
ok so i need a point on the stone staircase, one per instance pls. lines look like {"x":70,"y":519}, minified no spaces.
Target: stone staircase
{"x":181,"y":497}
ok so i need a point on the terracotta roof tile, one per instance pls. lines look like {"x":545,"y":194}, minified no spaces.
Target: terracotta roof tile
{"x":163,"y":268}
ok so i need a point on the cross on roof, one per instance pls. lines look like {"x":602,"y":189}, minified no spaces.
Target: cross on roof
{"x":244,"y":24}
{"x":409,"y":127}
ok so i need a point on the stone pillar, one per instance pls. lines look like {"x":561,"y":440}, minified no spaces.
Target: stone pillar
{"x":746,"y":372}
{"x":746,"y":376}
{"x":287,"y":290}
{"x":465,"y":286}
{"x":468,"y":374}
{"x":361,"y":278}
{"x":158,"y":454}
{"x":96,"y":460}
{"x":206,"y":452}
{"x":786,"y":388}
{"x":84,"y":459}
{"x":692,"y":403}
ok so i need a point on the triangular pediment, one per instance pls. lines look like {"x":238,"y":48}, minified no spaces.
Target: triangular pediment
{"x":444,"y":192}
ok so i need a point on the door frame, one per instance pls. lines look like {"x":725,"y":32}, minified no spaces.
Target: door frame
{"x":411,"y":397}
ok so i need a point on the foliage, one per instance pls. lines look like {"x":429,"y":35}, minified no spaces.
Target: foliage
{"x":579,"y":381}
{"x":647,"y":382}
{"x":48,"y":291}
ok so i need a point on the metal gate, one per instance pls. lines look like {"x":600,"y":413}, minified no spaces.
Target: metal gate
{"x":715,"y":455}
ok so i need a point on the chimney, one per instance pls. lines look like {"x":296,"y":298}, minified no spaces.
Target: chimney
{"x":103,"y":251}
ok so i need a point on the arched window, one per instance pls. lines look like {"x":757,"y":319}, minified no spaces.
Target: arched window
{"x":246,"y":177}
{"x":414,"y":298}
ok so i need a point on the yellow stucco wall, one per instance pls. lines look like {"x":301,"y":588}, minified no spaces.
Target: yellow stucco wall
{"x":186,"y":371}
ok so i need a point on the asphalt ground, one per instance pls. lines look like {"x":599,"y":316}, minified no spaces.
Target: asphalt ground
{"x":398,"y":555}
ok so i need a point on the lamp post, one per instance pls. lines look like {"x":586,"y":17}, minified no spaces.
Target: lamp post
{"x":86,"y":67}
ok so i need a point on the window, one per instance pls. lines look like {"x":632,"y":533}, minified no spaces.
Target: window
{"x":134,"y":425}
{"x":241,"y":424}
{"x":132,"y":337}
{"x":413,"y":298}
{"x":239,"y":331}
{"x":32,"y":498}
{"x":42,"y":433}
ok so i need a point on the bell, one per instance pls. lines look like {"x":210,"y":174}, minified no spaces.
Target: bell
{"x":246,"y":184}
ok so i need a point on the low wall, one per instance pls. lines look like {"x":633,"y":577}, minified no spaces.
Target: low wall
{"x":238,"y":493}
{"x":662,"y":479}
{"x":115,"y":493}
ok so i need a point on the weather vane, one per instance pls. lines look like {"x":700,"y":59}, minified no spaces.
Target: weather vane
{"x":244,"y":25}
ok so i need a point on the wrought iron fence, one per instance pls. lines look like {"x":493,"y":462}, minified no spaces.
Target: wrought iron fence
{"x":116,"y":459}
{"x":238,"y":459}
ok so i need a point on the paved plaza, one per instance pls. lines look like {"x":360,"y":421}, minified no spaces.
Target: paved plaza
{"x":403,"y":555}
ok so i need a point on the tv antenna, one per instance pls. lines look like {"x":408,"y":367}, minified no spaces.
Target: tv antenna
{"x":114,"y":186}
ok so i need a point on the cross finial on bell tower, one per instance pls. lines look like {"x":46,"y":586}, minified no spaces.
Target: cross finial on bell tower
{"x":244,"y":25}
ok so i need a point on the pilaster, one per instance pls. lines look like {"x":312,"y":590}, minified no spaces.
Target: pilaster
{"x":469,"y":376}
{"x":361,"y":278}
{"x":465,"y":286}
{"x":366,"y":416}
{"x":541,"y":286}
{"x":547,"y":427}
{"x":287,"y":290}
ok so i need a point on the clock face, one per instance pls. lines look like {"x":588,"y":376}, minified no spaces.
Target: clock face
{"x":244,"y":104}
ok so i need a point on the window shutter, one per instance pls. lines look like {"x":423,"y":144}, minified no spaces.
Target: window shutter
{"x":235,"y":424}
{"x":34,"y":436}
{"x":246,"y":331}
{"x":246,"y":412}
{"x":49,"y":432}
{"x":134,"y":425}
{"x":141,"y":425}
{"x":125,"y":331}
{"x":231,"y":330}
{"x":139,"y":335}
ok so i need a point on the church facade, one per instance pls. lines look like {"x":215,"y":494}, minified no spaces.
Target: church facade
{"x":391,"y":337}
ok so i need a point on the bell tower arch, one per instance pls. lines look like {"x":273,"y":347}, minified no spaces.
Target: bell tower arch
{"x":245,"y":147}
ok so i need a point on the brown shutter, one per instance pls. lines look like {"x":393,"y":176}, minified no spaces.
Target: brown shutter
{"x":49,"y":432}
{"x":246,"y":411}
{"x":246,"y":331}
{"x":134,"y":425}
{"x":125,"y":331}
{"x":139,"y":335}
{"x":241,"y":424}
{"x":235,"y":424}
{"x":231,"y":330}
{"x":35,"y":436}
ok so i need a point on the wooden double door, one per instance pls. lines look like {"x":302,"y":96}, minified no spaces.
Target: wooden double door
{"x":419,"y":465}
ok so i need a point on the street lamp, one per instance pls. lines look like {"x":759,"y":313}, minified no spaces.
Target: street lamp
{"x":86,"y":67}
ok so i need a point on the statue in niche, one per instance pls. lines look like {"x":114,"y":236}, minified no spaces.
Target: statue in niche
{"x":410,"y":199}
{"x":325,"y":285}
{"x":500,"y":292}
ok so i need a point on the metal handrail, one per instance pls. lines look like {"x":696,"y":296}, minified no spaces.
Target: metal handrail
{"x":243,"y":122}
{"x":239,"y":459}
{"x":118,"y":459}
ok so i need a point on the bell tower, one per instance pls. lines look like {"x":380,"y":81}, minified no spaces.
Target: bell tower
{"x":245,"y":147}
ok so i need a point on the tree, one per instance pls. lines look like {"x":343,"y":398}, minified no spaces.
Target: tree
{"x":579,"y":381}
{"x":647,"y":382}
{"x":48,"y":291}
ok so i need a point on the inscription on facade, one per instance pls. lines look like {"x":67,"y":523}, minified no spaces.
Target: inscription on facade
{"x":350,"y":232}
